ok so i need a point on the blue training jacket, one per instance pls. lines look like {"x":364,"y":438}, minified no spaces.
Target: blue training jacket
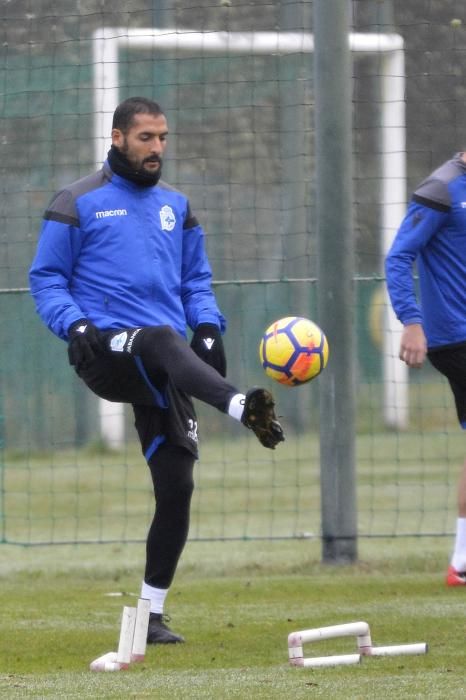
{"x":122,"y":256}
{"x":433,"y":233}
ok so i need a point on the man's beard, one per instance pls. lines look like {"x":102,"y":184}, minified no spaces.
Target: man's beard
{"x":151,"y":159}
{"x":120,"y":165}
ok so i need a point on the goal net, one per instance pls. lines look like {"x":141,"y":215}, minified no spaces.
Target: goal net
{"x":239,"y":100}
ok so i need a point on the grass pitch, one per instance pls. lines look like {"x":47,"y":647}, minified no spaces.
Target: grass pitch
{"x":235,"y":603}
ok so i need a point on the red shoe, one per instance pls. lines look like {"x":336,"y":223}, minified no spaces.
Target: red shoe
{"x":455,"y":578}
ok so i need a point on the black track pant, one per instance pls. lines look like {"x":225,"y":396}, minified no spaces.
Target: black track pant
{"x":172,"y":475}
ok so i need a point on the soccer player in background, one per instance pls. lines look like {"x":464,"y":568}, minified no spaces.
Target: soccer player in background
{"x":119,"y":273}
{"x":433,"y":234}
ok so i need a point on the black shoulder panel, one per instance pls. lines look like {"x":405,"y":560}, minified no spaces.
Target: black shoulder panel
{"x":190,"y":221}
{"x":62,"y":207}
{"x":433,"y":192}
{"x":432,"y":204}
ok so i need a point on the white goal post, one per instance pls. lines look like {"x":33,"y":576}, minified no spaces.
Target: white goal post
{"x":109,"y":41}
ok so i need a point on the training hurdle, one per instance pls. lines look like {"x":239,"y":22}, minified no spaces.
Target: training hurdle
{"x":365,"y":648}
{"x":132,"y":642}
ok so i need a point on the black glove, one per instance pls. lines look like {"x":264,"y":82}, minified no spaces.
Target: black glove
{"x":207,"y":343}
{"x":85,"y":341}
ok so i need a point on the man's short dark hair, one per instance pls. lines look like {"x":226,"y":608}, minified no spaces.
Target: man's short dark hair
{"x":123,"y":116}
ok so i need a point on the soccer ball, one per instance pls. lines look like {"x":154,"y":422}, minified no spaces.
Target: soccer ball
{"x":293,"y":351}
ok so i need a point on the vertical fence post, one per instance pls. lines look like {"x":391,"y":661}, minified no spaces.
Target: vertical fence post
{"x":333,"y":94}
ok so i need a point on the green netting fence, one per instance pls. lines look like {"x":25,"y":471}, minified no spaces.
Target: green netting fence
{"x":242,"y":148}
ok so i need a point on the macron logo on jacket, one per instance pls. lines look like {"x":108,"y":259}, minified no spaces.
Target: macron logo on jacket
{"x":110,"y":212}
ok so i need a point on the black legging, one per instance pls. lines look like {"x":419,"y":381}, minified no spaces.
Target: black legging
{"x":172,"y":475}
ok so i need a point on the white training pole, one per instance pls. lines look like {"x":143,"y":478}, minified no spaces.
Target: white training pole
{"x":125,"y":645}
{"x":112,"y":423}
{"x":138,"y":651}
{"x":398,"y":649}
{"x":393,"y":148}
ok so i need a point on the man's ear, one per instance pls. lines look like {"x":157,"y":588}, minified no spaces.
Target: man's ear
{"x":117,"y":138}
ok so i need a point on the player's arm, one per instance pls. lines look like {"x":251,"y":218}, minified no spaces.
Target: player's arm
{"x":50,"y":277}
{"x":202,"y":313}
{"x":197,"y":296}
{"x":51,"y":270}
{"x":417,"y":228}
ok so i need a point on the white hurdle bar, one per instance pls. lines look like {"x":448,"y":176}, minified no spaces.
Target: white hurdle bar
{"x":360,"y":630}
{"x":351,"y":629}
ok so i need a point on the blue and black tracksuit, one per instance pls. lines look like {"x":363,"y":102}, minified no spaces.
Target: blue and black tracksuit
{"x":433,"y":234}
{"x":131,"y":259}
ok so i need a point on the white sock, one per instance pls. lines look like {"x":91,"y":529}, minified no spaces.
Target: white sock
{"x":155,"y":595}
{"x":458,"y":560}
{"x":236,"y":407}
